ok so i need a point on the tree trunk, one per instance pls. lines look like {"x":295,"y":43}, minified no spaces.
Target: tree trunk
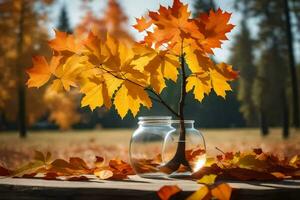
{"x":179,"y":157}
{"x":263,"y":123}
{"x":285,"y":116}
{"x":20,"y":74}
{"x":292,"y":64}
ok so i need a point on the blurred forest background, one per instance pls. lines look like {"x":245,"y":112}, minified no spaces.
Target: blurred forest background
{"x":265,"y":48}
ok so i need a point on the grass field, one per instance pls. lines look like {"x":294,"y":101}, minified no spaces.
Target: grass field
{"x":114,"y":143}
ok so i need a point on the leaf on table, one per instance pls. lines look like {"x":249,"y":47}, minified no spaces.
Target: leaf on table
{"x":222,"y":191}
{"x":280,"y":175}
{"x":4,"y":171}
{"x":208,"y":179}
{"x":295,"y":161}
{"x":78,"y":164}
{"x":78,"y":178}
{"x":121,"y":166}
{"x":99,"y":162}
{"x":104,"y":174}
{"x":29,"y":175}
{"x":257,"y":151}
{"x":50,"y":176}
{"x":251,"y":162}
{"x":28,"y":168}
{"x":202,"y":194}
{"x":167,"y":191}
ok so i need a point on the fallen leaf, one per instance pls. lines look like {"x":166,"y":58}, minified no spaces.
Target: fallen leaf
{"x":222,"y":191}
{"x":208,"y":179}
{"x":4,"y":171}
{"x":202,"y":194}
{"x":258,"y":151}
{"x":78,"y":178}
{"x":168,"y":191}
{"x":104,"y":174}
{"x":99,"y":162}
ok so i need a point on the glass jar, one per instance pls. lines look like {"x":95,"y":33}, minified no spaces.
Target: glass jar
{"x":193,"y":145}
{"x":146,"y":145}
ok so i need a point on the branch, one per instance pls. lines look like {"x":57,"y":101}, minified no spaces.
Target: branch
{"x":183,"y":84}
{"x":160,"y":100}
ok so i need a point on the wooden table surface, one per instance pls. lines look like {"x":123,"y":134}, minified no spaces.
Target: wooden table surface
{"x":135,"y":188}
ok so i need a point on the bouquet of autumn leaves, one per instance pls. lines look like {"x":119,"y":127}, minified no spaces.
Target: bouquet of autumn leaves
{"x":128,"y":75}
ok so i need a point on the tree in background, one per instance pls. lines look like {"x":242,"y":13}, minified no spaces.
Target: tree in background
{"x":201,"y":6}
{"x":114,"y":22}
{"x":243,"y":58}
{"x":21,"y":35}
{"x":63,"y":21}
{"x":214,"y":112}
{"x":292,"y":61}
{"x":271,"y":84}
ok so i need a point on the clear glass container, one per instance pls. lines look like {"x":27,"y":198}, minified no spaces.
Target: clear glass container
{"x":146,"y":145}
{"x":194,"y":146}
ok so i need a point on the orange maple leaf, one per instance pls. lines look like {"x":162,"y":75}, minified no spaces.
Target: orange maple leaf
{"x":167,"y":191}
{"x":142,"y":24}
{"x":214,"y":26}
{"x":64,"y":42}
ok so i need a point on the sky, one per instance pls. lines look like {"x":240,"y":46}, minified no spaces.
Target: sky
{"x":136,"y":9}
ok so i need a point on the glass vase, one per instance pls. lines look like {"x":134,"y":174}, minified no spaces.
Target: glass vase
{"x":191,"y":142}
{"x":146,"y":145}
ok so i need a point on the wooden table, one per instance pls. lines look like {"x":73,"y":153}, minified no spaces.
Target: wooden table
{"x":135,"y":188}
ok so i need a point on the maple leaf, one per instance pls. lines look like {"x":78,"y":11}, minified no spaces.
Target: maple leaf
{"x":96,"y":94}
{"x":99,"y":162}
{"x":208,"y":179}
{"x":171,"y":25}
{"x":104,"y":174}
{"x":201,"y":85}
{"x":201,"y":194}
{"x":167,"y":191}
{"x":64,"y":42}
{"x":197,"y":60}
{"x":142,"y":24}
{"x":95,"y":49}
{"x":40,"y":73}
{"x":71,"y":71}
{"x":78,"y":178}
{"x":4,"y":171}
{"x":131,"y":97}
{"x":160,"y":66}
{"x":222,"y":191}
{"x":214,"y":27}
{"x":220,"y":75}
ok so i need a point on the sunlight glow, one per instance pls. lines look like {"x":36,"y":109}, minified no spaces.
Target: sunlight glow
{"x":200,"y":162}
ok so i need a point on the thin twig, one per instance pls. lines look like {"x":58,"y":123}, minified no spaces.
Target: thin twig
{"x":160,"y":100}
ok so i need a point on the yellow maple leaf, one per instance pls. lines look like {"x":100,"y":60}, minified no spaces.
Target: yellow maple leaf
{"x":200,"y":83}
{"x":199,"y":194}
{"x":131,"y":97}
{"x":197,"y":60}
{"x":208,"y":179}
{"x":70,"y":72}
{"x":220,"y":76}
{"x":96,"y":94}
